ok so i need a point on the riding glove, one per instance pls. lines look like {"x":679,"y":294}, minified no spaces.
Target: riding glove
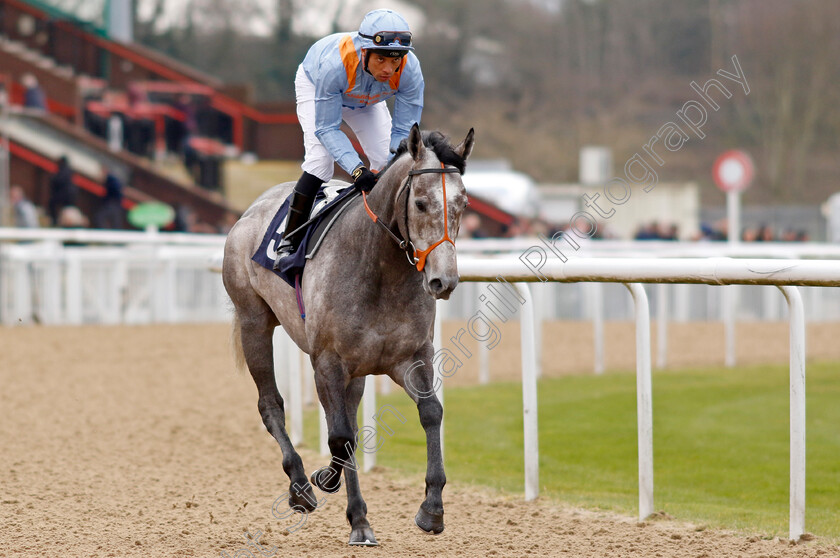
{"x":363,"y":179}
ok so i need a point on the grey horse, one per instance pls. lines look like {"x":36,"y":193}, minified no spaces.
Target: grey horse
{"x":369,"y":296}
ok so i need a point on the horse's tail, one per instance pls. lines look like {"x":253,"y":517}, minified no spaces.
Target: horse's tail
{"x":236,"y":343}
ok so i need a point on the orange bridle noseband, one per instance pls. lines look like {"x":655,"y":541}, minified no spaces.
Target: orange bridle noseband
{"x":418,"y":257}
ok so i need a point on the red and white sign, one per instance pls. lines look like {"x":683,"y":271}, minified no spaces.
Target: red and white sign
{"x":733,"y":171}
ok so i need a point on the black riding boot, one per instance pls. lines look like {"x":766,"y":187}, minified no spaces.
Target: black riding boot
{"x":299,"y":208}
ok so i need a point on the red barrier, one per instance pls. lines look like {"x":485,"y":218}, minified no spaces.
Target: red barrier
{"x":50,"y":166}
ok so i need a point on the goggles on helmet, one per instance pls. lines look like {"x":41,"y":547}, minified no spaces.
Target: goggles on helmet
{"x":390,"y":38}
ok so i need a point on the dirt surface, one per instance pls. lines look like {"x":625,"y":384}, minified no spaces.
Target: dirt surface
{"x":143,"y":441}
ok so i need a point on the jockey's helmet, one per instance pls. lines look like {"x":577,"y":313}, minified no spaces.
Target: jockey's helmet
{"x":386,"y":32}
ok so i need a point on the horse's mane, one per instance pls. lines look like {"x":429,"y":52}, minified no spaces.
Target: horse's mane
{"x":438,"y":143}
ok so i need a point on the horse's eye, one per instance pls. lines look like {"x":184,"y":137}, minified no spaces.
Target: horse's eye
{"x":421,"y":207}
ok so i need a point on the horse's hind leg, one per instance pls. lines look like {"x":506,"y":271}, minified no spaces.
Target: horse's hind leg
{"x":341,"y":400}
{"x":257,"y":330}
{"x":418,"y":382}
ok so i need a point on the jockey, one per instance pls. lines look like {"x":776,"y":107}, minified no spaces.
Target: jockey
{"x":347,"y":77}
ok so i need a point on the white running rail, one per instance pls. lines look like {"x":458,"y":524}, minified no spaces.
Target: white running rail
{"x":786,"y":274}
{"x":58,"y":276}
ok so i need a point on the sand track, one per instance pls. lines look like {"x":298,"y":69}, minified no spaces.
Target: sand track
{"x":142,"y":441}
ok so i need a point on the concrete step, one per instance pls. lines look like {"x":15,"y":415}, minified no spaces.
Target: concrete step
{"x":20,"y":50}
{"x":12,"y":46}
{"x":64,"y":71}
{"x":45,"y":63}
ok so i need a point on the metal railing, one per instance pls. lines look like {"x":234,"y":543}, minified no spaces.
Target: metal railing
{"x":787,"y":275}
{"x":57,"y":276}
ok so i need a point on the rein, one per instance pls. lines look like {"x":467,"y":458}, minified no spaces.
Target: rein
{"x":416,"y":257}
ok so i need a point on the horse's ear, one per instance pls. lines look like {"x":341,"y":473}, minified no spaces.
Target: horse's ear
{"x":415,"y":143}
{"x":465,"y":147}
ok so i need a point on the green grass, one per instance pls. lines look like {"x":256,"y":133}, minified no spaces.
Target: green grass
{"x":721,"y":441}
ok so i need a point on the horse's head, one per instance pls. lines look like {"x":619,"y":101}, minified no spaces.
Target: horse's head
{"x":435,"y":198}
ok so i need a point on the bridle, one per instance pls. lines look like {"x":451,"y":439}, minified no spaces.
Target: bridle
{"x":416,"y":257}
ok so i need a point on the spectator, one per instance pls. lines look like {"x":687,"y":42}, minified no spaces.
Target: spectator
{"x":139,"y":129}
{"x":4,"y":97}
{"x":183,"y":219}
{"x":647,"y":232}
{"x":471,"y":226}
{"x":26,"y":215}
{"x":71,"y":217}
{"x":115,"y":133}
{"x":33,"y":96}
{"x":110,"y":213}
{"x":750,"y":234}
{"x":63,"y":192}
{"x":228,"y":223}
{"x":721,"y":228}
{"x":765,"y":233}
{"x":136,"y":95}
{"x":189,"y":126}
{"x":514,"y":230}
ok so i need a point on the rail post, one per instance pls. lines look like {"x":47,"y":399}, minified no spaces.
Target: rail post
{"x":529,"y":394}
{"x":295,"y":399}
{"x":596,"y":292}
{"x":437,"y":378}
{"x":644,"y":399}
{"x":662,"y":326}
{"x":368,"y":420}
{"x":797,"y":410}
{"x":323,"y":432}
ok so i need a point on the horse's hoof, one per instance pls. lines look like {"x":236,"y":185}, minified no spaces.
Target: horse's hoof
{"x":302,"y":498}
{"x":323,"y":477}
{"x":362,"y":537}
{"x":429,"y":523}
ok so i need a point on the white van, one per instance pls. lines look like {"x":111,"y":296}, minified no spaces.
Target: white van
{"x":511,"y":191}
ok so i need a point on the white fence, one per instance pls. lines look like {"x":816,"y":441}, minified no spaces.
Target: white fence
{"x":58,"y":276}
{"x":681,"y":302}
{"x":80,"y":276}
{"x":784,"y":274}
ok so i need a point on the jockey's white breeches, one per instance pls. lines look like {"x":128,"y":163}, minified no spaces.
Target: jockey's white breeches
{"x":372,"y":126}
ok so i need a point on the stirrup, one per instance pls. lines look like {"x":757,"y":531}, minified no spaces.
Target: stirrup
{"x":286,"y":248}
{"x":300,"y":205}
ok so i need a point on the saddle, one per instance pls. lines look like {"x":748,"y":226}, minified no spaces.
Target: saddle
{"x":330,"y":202}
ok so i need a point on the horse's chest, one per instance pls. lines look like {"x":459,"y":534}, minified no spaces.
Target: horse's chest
{"x":396,"y":340}
{"x":377,"y":346}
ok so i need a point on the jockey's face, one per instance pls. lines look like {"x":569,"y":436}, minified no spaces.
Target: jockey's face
{"x":382,"y":68}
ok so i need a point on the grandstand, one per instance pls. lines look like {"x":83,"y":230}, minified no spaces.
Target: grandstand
{"x":161,"y":126}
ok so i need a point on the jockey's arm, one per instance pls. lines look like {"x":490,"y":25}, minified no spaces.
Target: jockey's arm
{"x":328,"y":124}
{"x":408,"y":102}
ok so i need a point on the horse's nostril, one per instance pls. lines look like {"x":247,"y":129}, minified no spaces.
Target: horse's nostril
{"x":436,"y":285}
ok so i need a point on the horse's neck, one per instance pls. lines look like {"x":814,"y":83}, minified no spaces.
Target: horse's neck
{"x":383,"y":198}
{"x":375,"y":241}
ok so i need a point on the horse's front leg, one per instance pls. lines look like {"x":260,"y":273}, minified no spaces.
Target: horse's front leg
{"x":340,"y":398}
{"x":361,"y":532}
{"x":418,"y":380}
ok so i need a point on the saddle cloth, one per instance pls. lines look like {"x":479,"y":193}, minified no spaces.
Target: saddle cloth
{"x":330,"y":202}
